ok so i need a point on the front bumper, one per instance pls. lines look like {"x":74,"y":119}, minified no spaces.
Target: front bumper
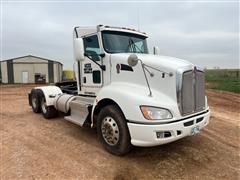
{"x":146,"y":134}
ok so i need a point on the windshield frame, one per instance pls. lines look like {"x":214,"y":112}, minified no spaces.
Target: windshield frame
{"x":122,"y":32}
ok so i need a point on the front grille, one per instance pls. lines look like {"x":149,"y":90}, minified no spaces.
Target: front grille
{"x":190,"y":91}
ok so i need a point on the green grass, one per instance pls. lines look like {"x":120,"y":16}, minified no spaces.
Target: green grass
{"x":226,"y":80}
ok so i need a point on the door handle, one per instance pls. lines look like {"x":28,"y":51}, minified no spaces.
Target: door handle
{"x":84,"y":79}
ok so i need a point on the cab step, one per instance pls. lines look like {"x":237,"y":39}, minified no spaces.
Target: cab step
{"x":80,"y":111}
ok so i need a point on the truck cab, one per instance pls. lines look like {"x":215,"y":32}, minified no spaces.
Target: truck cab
{"x":99,"y":45}
{"x":131,"y":97}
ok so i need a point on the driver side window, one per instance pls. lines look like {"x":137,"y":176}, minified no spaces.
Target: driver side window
{"x":91,"y":46}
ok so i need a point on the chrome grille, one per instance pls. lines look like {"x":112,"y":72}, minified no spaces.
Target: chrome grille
{"x":190,"y":90}
{"x":200,"y":91}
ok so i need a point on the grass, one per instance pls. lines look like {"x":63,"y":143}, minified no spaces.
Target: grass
{"x":222,"y":79}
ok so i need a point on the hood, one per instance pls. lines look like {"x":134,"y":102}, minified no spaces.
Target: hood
{"x":162,"y":86}
{"x":157,"y":61}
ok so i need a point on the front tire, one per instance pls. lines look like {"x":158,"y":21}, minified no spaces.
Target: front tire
{"x":112,"y":130}
{"x":48,"y":112}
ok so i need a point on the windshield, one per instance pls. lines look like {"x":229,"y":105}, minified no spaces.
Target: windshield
{"x":122,"y":42}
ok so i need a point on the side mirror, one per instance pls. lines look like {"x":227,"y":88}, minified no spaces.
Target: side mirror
{"x":78,"y":48}
{"x":156,"y":50}
{"x":132,"y":60}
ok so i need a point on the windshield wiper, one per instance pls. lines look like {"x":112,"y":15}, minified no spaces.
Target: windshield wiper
{"x":132,"y":44}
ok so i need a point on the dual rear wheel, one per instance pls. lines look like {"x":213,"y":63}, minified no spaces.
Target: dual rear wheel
{"x":38,"y":102}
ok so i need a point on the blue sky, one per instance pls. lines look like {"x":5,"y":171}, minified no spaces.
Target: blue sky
{"x":205,"y":33}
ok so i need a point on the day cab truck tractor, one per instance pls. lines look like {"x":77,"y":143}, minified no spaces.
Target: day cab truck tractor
{"x":131,"y":97}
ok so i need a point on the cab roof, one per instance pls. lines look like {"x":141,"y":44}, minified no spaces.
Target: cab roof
{"x":84,"y":31}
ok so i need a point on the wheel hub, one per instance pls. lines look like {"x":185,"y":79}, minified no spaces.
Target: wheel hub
{"x":110,"y":131}
{"x":43,"y":106}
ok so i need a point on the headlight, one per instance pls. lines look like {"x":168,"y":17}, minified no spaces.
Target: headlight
{"x":154,"y":113}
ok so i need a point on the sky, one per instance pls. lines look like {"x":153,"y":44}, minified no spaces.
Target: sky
{"x":204,"y":33}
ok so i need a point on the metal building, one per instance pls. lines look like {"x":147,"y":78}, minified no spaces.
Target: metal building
{"x":30,"y":69}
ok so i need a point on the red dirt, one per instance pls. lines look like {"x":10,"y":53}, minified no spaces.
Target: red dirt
{"x":35,"y":148}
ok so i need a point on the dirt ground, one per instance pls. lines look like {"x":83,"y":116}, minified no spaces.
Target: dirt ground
{"x":35,"y":148}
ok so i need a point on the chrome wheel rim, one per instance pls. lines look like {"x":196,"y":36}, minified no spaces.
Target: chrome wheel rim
{"x":110,"y":131}
{"x":43,"y":105}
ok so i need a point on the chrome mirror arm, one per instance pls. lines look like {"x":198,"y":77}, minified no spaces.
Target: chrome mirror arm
{"x":144,"y":72}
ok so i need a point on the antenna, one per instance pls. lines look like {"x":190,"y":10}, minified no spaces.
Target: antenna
{"x":138,"y":24}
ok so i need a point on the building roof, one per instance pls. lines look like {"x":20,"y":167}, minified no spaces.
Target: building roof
{"x":33,"y":57}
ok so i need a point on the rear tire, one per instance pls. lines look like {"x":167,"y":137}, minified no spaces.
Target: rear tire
{"x":35,"y":103}
{"x":48,"y":112}
{"x":112,"y":130}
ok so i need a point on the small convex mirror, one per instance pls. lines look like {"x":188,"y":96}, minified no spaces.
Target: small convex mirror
{"x":132,"y":60}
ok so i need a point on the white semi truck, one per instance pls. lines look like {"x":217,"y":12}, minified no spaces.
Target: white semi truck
{"x":131,"y":97}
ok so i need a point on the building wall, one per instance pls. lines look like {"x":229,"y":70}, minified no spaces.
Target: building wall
{"x":19,"y":68}
{"x":31,"y":69}
{"x":4,"y":72}
{"x":31,"y":65}
{"x":10,"y":71}
{"x":41,"y":68}
{"x":55,"y":72}
{"x":57,"y":67}
{"x":60,"y":71}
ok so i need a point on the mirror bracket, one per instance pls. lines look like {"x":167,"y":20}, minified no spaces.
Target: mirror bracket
{"x":156,"y":50}
{"x":102,"y":55}
{"x":103,"y":67}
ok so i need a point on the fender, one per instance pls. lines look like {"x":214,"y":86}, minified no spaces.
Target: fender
{"x":50,"y":92}
{"x":129,"y":97}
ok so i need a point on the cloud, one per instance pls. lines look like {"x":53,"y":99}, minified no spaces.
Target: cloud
{"x":203,"y":33}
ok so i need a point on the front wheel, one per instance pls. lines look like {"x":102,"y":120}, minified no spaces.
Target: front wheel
{"x":112,"y":130}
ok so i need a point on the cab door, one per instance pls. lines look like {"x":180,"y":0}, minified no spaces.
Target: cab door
{"x":91,"y":73}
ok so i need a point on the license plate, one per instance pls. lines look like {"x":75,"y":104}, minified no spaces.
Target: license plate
{"x":195,"y":130}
